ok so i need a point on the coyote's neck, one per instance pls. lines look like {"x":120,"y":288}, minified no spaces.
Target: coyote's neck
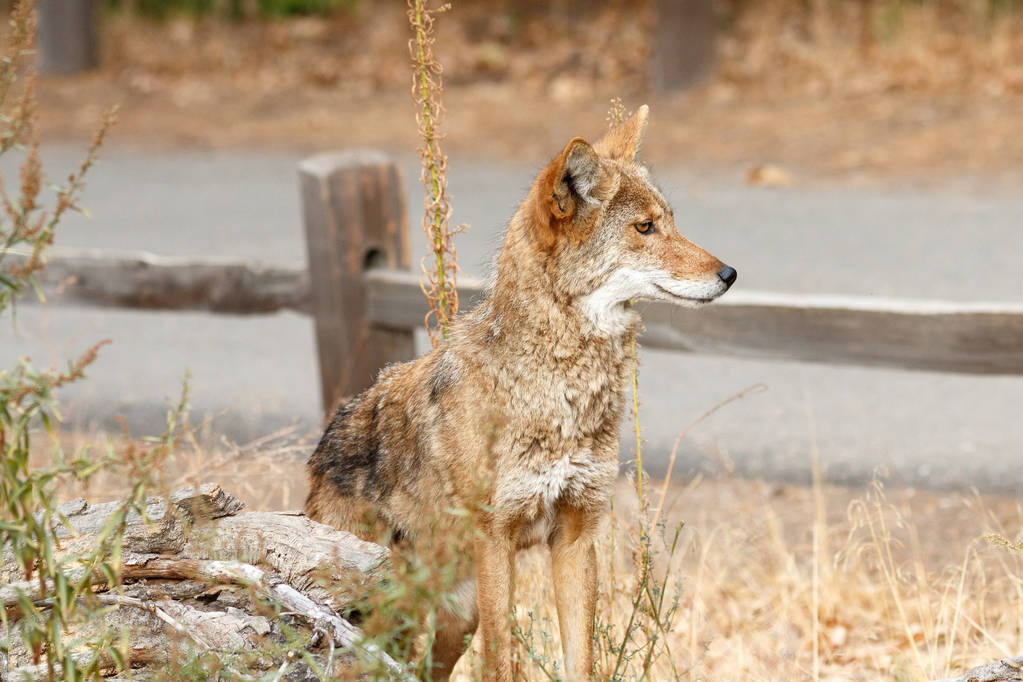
{"x":528,"y":309}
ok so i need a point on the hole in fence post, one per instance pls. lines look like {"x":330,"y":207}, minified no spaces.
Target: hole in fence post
{"x":375,"y":258}
{"x":353,"y":207}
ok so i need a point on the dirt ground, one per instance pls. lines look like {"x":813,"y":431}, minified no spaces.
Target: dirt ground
{"x":803,"y":90}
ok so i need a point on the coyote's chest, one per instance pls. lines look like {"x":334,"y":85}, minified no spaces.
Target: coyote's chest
{"x":532,"y":494}
{"x":563,"y":436}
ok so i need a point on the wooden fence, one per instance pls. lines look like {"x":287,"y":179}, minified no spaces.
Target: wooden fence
{"x":366,"y":301}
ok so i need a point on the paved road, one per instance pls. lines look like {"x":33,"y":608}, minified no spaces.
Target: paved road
{"x":257,"y":373}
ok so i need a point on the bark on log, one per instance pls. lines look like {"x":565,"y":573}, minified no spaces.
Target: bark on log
{"x":302,"y":551}
{"x":1002,"y":670}
{"x":342,"y":633}
{"x":197,"y":575}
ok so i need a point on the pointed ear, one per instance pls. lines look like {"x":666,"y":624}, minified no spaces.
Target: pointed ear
{"x":623,"y":141}
{"x":570,"y":183}
{"x":574,"y":177}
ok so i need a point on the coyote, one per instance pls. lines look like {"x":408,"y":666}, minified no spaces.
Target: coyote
{"x":517,"y":415}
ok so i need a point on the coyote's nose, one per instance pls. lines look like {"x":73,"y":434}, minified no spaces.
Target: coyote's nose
{"x":727,"y":274}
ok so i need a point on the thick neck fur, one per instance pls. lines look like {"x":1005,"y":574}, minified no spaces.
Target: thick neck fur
{"x":534,"y":305}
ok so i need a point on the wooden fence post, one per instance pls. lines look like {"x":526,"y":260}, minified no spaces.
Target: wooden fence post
{"x":67,"y":35}
{"x":353,"y":206}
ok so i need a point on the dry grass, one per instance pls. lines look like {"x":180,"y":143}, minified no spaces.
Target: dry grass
{"x":267,"y":473}
{"x":906,"y":588}
{"x":905,"y":584}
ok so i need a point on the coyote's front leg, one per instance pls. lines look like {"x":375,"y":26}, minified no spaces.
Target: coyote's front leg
{"x":575,"y":589}
{"x":494,"y":576}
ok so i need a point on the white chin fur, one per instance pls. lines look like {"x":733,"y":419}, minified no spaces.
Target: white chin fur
{"x":605,"y":306}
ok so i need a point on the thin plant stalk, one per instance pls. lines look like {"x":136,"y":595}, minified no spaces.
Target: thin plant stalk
{"x":438,"y":280}
{"x":755,"y":388}
{"x":635,"y":421}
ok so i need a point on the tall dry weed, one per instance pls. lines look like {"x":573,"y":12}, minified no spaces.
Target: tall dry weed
{"x":439,"y":275}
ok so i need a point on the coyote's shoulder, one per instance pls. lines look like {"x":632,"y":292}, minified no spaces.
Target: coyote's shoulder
{"x":517,"y":415}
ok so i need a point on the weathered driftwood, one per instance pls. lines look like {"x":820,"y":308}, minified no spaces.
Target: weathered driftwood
{"x":301,"y":551}
{"x":1002,"y":670}
{"x":200,"y":576}
{"x":38,"y":673}
{"x":77,"y":523}
{"x":208,"y":526}
{"x":272,"y":587}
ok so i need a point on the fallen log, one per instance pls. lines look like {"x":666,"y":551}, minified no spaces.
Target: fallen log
{"x":1002,"y":670}
{"x":200,"y":576}
{"x":205,"y":523}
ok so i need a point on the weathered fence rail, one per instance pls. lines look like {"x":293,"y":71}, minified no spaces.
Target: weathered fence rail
{"x":366,"y":302}
{"x":147,"y":281}
{"x":977,"y":338}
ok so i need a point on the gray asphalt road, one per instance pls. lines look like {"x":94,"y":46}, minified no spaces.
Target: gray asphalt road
{"x":256,"y":374}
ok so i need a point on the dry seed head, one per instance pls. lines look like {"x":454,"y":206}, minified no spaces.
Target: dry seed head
{"x":616,"y":113}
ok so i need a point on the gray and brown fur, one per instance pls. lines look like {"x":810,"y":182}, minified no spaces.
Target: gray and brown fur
{"x":517,"y":415}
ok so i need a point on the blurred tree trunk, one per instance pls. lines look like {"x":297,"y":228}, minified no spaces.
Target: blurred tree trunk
{"x":67,"y":35}
{"x":683,"y":43}
{"x":866,"y":27}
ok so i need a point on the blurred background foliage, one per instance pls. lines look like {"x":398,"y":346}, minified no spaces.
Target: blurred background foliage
{"x":233,"y":9}
{"x":890,"y":14}
{"x":881,"y":84}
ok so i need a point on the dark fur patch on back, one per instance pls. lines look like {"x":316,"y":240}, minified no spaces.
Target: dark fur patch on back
{"x":348,"y":450}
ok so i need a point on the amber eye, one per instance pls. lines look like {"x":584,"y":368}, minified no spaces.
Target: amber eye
{"x":645,"y":227}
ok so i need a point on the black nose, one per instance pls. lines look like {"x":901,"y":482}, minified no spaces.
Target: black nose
{"x":727,"y":274}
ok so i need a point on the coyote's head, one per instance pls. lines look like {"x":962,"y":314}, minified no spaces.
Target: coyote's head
{"x":609,"y":235}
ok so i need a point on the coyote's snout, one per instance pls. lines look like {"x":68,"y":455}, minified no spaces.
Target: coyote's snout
{"x":517,"y":416}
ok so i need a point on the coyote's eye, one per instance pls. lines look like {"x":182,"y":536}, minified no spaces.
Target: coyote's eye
{"x":645,"y":227}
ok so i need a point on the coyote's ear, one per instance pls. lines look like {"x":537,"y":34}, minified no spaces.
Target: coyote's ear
{"x":572,"y":177}
{"x":623,"y":141}
{"x":570,"y":183}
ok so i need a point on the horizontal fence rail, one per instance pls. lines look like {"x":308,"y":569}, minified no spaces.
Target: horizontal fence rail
{"x":147,"y":281}
{"x":927,"y":335}
{"x":978,"y":338}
